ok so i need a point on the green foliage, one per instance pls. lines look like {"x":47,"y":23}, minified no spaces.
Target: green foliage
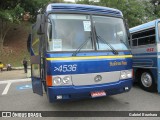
{"x":12,"y":10}
{"x":33,"y":6}
{"x":156,"y":4}
{"x":17,"y":12}
{"x":135,"y":11}
{"x":57,"y":1}
{"x":6,"y":15}
{"x":11,"y":15}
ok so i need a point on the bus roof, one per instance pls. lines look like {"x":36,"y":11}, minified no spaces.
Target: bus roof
{"x":144,"y":26}
{"x":91,"y":9}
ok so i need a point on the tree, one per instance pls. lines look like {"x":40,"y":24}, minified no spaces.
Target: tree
{"x":11,"y":11}
{"x":57,"y":1}
{"x":88,"y":2}
{"x":135,"y":11}
{"x":156,"y":4}
{"x":7,"y":17}
{"x":33,"y":7}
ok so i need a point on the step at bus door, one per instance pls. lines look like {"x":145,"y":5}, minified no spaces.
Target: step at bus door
{"x":36,"y":75}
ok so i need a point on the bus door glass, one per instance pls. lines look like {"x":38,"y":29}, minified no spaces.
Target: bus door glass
{"x":35,"y":64}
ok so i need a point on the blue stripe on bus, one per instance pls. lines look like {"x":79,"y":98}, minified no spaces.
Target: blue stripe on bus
{"x":84,"y":9}
{"x":140,"y":54}
{"x":145,"y":61}
{"x":89,"y":66}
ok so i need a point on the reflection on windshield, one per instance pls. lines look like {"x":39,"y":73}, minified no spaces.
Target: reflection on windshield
{"x":112,"y":30}
{"x":68,"y":32}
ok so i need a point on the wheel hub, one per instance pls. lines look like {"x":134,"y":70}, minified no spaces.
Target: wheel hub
{"x":146,"y":79}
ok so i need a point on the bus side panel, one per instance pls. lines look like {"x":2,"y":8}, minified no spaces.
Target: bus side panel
{"x":88,"y":66}
{"x":81,"y":92}
{"x":158,"y":72}
{"x":158,"y":55}
{"x":158,"y":67}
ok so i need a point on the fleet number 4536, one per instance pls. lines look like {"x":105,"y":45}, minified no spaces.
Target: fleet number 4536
{"x":66,"y":68}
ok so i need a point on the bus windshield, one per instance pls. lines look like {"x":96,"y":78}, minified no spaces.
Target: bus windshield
{"x":67,"y":32}
{"x":112,"y":30}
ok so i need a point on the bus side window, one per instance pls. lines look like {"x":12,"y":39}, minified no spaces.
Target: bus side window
{"x":144,"y":37}
{"x":134,"y":39}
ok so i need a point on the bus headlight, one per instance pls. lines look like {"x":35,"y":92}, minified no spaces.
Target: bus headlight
{"x":129,"y":74}
{"x":61,"y":80}
{"x":66,"y":79}
{"x":123,"y":75}
{"x":126,"y":74}
{"x":57,"y":81}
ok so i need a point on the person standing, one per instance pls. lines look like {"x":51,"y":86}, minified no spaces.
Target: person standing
{"x":9,"y":67}
{"x":25,"y":65}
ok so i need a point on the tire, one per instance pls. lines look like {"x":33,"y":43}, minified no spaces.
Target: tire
{"x":147,"y":81}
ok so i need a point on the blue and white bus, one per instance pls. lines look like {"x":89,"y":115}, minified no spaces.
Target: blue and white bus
{"x":80,"y":51}
{"x":145,"y":45}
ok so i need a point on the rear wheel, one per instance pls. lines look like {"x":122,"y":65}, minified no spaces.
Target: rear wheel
{"x":147,"y":81}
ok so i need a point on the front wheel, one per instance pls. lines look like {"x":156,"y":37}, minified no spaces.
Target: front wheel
{"x":147,"y":81}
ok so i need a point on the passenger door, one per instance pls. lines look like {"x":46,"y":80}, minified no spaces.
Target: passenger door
{"x":36,"y":63}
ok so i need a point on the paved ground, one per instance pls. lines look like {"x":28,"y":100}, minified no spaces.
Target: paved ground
{"x":14,"y":74}
{"x":19,"y":97}
{"x":24,"y":99}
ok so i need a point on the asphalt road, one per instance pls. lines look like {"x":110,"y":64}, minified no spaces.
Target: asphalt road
{"x":14,"y":74}
{"x":19,"y":97}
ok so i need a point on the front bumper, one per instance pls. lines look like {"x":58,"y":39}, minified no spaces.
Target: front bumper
{"x":81,"y":92}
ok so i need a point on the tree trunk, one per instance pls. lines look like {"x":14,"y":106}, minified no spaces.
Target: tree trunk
{"x":1,"y":34}
{"x":1,"y":48}
{"x":1,"y":44}
{"x":4,"y":28}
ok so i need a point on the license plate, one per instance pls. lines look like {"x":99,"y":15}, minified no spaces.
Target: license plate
{"x":98,"y":94}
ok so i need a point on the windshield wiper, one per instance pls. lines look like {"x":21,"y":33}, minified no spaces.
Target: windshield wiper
{"x":100,"y":38}
{"x":80,"y":47}
{"x":122,"y":41}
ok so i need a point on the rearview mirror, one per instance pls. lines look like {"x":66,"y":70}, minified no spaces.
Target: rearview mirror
{"x":40,"y":24}
{"x":127,"y":27}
